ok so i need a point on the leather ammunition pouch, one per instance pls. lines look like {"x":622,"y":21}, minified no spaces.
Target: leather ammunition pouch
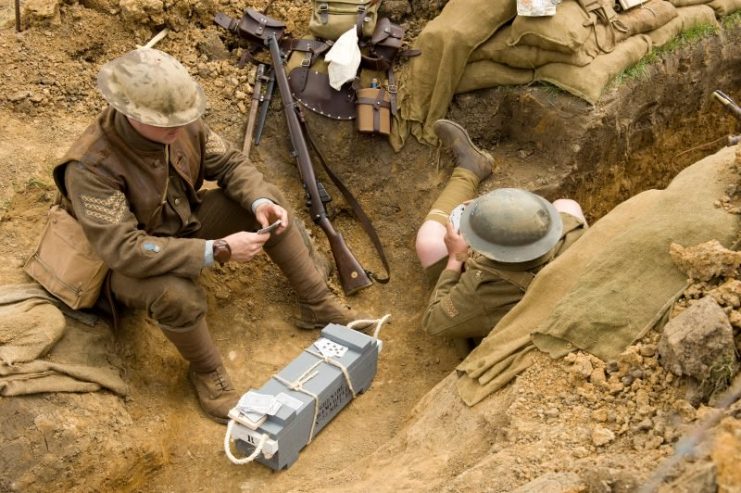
{"x":64,"y":262}
{"x":253,"y":26}
{"x":384,"y":45}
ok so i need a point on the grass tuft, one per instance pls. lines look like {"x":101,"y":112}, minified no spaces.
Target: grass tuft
{"x":639,"y":71}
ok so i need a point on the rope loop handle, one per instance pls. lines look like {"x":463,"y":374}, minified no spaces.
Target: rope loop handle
{"x":228,"y":448}
{"x":379,"y":323}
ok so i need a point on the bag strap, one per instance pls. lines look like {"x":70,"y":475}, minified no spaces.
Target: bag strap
{"x":314,"y":47}
{"x":392,"y":89}
{"x":359,"y":21}
{"x":603,"y":12}
{"x":364,"y":220}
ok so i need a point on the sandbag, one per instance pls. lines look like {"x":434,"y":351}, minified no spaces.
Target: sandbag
{"x":687,"y":3}
{"x":687,"y":18}
{"x":483,"y":74}
{"x":428,"y":82}
{"x":30,"y":324}
{"x":725,"y":7}
{"x":41,"y":352}
{"x":613,"y":284}
{"x":590,"y":81}
{"x":565,"y":32}
{"x":648,"y":16}
{"x":497,"y":50}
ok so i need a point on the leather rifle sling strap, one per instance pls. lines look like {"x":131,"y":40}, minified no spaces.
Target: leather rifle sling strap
{"x":364,"y":220}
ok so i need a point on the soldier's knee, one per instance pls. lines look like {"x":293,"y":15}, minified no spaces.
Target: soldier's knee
{"x":180,"y":303}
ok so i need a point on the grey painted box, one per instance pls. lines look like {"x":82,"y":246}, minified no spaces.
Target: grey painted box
{"x":301,"y":416}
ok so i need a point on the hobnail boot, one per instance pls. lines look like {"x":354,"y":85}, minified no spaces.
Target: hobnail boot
{"x":328,"y":310}
{"x":215,"y":391}
{"x":465,"y":152}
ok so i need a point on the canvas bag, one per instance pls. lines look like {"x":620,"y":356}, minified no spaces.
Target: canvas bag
{"x":331,"y":18}
{"x":65,"y":263}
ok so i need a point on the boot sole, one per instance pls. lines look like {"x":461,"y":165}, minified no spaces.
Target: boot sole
{"x":301,"y":324}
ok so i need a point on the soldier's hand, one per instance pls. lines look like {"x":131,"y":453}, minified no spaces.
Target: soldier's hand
{"x":245,"y":246}
{"x":269,"y":212}
{"x":454,"y":242}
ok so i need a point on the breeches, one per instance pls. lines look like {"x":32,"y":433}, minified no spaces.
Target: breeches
{"x":179,"y":303}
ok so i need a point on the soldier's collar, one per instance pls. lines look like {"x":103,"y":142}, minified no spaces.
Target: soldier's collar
{"x":133,"y":138}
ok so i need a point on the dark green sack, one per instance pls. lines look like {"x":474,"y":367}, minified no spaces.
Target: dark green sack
{"x":330,"y":19}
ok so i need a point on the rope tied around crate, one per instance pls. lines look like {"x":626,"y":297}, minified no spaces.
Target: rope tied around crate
{"x":298,"y":384}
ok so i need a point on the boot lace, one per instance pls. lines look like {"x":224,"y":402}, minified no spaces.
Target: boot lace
{"x":219,"y":378}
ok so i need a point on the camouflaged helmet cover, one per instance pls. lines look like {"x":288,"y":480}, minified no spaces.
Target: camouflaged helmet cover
{"x":152,"y":87}
{"x":511,"y":225}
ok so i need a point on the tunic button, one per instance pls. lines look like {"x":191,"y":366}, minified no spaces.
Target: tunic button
{"x":177,"y":201}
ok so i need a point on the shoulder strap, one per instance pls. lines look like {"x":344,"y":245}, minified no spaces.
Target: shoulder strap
{"x":521,"y":279}
{"x":364,"y":220}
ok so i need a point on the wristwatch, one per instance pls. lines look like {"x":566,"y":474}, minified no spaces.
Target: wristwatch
{"x":222,"y":251}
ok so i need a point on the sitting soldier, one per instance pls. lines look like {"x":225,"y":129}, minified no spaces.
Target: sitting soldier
{"x":482,"y":268}
{"x":133,"y":181}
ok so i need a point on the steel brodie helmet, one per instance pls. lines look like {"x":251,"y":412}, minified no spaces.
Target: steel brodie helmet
{"x":152,"y":87}
{"x":511,"y":225}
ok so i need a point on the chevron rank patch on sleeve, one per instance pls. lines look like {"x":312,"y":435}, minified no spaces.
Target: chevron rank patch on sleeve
{"x":215,"y":144}
{"x":110,"y":209}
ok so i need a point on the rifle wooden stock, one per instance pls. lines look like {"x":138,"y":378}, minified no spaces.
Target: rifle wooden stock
{"x":352,"y":275}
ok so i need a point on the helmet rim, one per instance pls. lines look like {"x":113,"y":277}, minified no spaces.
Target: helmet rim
{"x":504,"y":253}
{"x":115,"y":92}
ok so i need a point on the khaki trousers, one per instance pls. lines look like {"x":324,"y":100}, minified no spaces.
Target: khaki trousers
{"x":177,"y":303}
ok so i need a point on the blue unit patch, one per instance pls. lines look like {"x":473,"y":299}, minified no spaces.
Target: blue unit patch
{"x":151,"y":247}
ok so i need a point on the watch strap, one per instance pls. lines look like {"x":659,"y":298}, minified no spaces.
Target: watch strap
{"x":222,"y":251}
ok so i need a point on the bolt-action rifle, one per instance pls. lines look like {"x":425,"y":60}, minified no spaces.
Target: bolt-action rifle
{"x":259,"y":30}
{"x":352,"y":275}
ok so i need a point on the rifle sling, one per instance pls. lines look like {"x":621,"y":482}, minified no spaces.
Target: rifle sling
{"x":364,"y":220}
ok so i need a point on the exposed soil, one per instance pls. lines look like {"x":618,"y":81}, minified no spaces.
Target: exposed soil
{"x":157,"y":440}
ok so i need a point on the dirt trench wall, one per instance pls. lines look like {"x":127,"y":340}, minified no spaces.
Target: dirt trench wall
{"x":49,"y":76}
{"x":642,"y":132}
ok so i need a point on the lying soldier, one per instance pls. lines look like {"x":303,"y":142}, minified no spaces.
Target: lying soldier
{"x":482,"y":267}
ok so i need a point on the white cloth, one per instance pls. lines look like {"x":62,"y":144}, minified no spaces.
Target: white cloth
{"x":343,"y":59}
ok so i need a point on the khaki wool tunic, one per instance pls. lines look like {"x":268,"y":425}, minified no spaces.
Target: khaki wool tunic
{"x":471,"y":303}
{"x":135,"y":199}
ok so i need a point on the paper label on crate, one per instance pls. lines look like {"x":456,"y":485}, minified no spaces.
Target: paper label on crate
{"x":289,"y":401}
{"x":330,"y":349}
{"x":255,"y":403}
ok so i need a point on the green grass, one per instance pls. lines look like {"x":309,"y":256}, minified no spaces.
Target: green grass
{"x":640,"y":71}
{"x":551,"y":89}
{"x":731,"y":20}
